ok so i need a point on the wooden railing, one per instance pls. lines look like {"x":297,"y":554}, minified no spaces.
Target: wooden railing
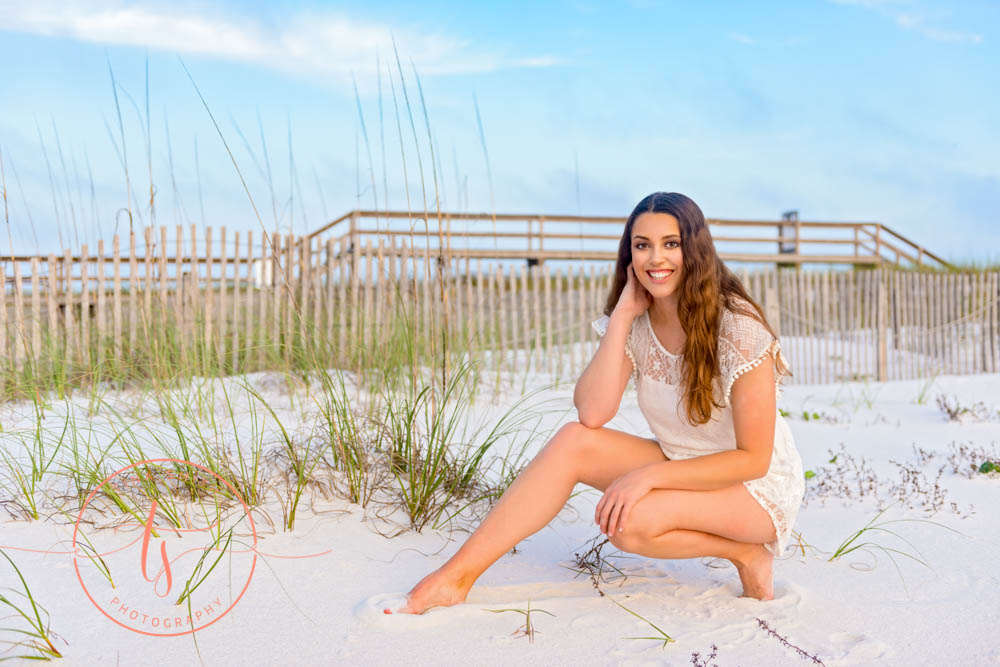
{"x":537,"y":238}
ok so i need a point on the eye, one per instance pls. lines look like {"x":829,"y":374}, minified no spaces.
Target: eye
{"x":673,"y":244}
{"x":640,"y":244}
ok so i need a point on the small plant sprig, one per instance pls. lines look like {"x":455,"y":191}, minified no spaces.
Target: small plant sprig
{"x":925,"y":389}
{"x":852,"y":544}
{"x":39,"y":636}
{"x":967,"y":459}
{"x":787,"y":644}
{"x":528,"y":629}
{"x":956,"y":412}
{"x":709,"y":660}
{"x":592,"y":563}
{"x":800,"y":543}
{"x":663,"y":637}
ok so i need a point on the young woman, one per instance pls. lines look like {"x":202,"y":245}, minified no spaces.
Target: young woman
{"x":721,"y":477}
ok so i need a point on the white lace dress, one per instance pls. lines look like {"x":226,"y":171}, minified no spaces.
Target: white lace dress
{"x":743,"y":344}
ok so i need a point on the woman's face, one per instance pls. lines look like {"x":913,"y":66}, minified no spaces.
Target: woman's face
{"x":656,"y":253}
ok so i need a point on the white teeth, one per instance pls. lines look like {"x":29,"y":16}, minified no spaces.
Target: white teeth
{"x":660,"y":274}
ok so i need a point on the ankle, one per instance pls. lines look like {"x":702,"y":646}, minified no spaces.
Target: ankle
{"x":459,"y":577}
{"x":745,"y":555}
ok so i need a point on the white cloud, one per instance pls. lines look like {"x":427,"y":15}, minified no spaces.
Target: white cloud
{"x":307,"y":42}
{"x":906,"y":15}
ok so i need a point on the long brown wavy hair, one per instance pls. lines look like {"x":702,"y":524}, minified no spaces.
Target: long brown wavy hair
{"x":707,"y":286}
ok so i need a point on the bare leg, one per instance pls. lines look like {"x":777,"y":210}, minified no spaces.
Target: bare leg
{"x":575,"y":454}
{"x":753,"y":562}
{"x":724,"y":523}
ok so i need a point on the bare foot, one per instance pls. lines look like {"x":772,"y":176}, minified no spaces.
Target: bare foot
{"x":755,"y":568}
{"x":437,"y":589}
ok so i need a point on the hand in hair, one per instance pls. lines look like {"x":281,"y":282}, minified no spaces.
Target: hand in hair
{"x":634,"y":299}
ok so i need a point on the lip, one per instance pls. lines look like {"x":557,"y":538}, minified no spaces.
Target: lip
{"x":660,"y":281}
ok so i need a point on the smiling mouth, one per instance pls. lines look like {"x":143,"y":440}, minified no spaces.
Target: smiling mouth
{"x":660,"y":275}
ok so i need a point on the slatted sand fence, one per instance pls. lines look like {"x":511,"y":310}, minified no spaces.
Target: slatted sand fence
{"x":207,"y":301}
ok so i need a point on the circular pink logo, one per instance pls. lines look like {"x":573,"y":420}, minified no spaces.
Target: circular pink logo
{"x":182,"y":558}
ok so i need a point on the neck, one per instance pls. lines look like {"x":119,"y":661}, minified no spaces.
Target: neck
{"x":664,"y":311}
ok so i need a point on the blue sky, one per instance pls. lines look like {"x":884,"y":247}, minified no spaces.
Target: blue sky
{"x":879,"y":110}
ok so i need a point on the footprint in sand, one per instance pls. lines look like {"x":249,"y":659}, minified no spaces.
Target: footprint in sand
{"x":856,"y":647}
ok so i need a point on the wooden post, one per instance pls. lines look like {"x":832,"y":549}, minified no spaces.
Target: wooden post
{"x":133,"y":288}
{"x":525,"y":315}
{"x":36,"y":311}
{"x":194,"y":292}
{"x":480,"y":327}
{"x":221,"y":346}
{"x":101,"y":315}
{"x":305,"y":285}
{"x":368,"y":336}
{"x":329,"y":300}
{"x":234,"y":353}
{"x":84,"y":306}
{"x":353,"y":322}
{"x":548,"y":318}
{"x":179,"y":293}
{"x":536,"y":297}
{"x":771,"y":309}
{"x":5,"y":352}
{"x":69,"y":321}
{"x":502,"y":313}
{"x":316,"y":298}
{"x":883,"y":316}
{"x":147,"y":293}
{"x":262,"y":324}
{"x":50,"y":298}
{"x":162,"y":298}
{"x":342,"y":324}
{"x":116,"y":294}
{"x":381,"y":293}
{"x":290,"y":305}
{"x":209,"y":301}
{"x":22,"y":349}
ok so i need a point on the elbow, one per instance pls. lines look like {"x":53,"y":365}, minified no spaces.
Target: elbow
{"x":760,"y":468}
{"x":591,"y":419}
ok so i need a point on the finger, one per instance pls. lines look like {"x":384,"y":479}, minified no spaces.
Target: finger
{"x":597,"y":510}
{"x":613,"y":519}
{"x":605,"y":511}
{"x":623,"y":521}
{"x":610,"y":511}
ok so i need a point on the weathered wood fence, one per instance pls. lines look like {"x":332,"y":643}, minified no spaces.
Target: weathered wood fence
{"x":238,"y":302}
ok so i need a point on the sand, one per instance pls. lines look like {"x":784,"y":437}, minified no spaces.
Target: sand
{"x":859,"y":610}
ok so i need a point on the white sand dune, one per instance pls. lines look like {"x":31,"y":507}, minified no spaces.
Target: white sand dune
{"x":858,"y":610}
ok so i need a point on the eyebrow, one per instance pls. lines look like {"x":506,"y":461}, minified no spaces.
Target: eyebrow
{"x":668,"y":236}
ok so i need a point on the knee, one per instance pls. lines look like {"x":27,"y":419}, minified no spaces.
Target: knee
{"x":628,"y":541}
{"x":572,"y":438}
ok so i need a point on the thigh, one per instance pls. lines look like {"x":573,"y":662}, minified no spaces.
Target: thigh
{"x":602,"y":455}
{"x":730,"y":512}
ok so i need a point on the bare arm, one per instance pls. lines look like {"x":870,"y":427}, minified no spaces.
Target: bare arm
{"x":754,"y":415}
{"x":599,"y":390}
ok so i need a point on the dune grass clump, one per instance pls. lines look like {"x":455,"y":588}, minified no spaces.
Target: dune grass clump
{"x":31,"y":636}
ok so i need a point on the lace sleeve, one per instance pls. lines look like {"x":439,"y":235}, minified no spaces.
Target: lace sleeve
{"x":744,"y":343}
{"x":600,"y":325}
